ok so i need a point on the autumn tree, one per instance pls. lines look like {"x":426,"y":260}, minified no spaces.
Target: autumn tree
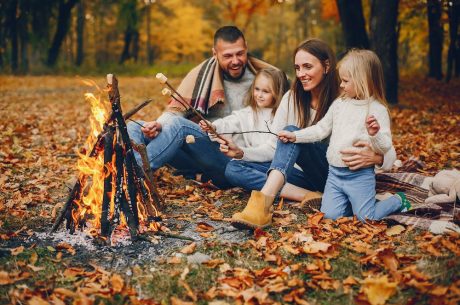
{"x":384,"y":14}
{"x":80,"y":32}
{"x":62,"y":27}
{"x":435,"y":38}
{"x":453,"y":55}
{"x":129,"y":20}
{"x":353,"y":24}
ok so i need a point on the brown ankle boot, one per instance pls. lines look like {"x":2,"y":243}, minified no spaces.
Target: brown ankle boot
{"x":312,"y":200}
{"x":257,"y":213}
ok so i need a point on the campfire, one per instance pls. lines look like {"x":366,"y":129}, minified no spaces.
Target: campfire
{"x":112,"y":190}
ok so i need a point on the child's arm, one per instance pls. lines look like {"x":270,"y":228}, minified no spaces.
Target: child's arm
{"x":378,"y":128}
{"x":228,"y":124}
{"x":314,"y":133}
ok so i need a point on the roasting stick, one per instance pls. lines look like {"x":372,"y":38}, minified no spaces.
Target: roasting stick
{"x":164,"y":81}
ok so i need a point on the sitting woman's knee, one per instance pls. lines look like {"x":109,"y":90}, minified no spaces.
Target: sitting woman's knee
{"x":291,"y":128}
{"x":233,"y":172}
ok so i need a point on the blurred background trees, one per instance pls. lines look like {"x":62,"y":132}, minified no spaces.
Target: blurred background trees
{"x":82,"y":36}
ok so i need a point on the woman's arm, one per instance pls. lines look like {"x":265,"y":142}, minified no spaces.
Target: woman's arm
{"x":361,"y":155}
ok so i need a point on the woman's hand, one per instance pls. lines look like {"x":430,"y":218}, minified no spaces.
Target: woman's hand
{"x":206,"y":127}
{"x":372,"y":125}
{"x":151,"y":129}
{"x":286,"y":136}
{"x":360,"y":156}
{"x":229,"y":148}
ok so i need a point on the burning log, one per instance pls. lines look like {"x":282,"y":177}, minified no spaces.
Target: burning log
{"x":119,"y":169}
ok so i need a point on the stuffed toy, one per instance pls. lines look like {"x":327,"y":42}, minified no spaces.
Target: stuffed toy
{"x":445,"y":187}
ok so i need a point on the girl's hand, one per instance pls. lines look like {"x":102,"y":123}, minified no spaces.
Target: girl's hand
{"x":372,"y":125}
{"x":151,"y":129}
{"x":205,"y":127}
{"x":286,"y":136}
{"x":229,"y":148}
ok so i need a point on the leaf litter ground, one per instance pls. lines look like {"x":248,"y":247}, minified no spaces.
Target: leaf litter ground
{"x":301,"y":259}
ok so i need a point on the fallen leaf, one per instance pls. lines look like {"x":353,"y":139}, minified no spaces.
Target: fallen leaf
{"x":17,"y":251}
{"x":5,"y":278}
{"x":395,"y":230}
{"x":189,"y":249}
{"x":378,"y":290}
{"x":204,"y":227}
{"x":117,"y":283}
{"x":176,"y":301}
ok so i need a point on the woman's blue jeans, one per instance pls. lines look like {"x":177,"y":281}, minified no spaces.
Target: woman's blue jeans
{"x":170,"y":147}
{"x":349,"y":193}
{"x":311,"y":157}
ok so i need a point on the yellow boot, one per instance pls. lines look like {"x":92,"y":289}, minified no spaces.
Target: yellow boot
{"x":312,"y":200}
{"x":257,"y":213}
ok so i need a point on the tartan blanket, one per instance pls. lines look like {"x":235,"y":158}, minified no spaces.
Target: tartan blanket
{"x":203,"y":86}
{"x":415,"y":186}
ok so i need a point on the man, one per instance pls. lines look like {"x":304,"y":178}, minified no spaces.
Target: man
{"x":216,"y":87}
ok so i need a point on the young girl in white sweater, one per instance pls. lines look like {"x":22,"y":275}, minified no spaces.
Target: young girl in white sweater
{"x":359,"y":114}
{"x":262,"y":100}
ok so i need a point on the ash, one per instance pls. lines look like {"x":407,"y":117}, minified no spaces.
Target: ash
{"x":122,"y":253}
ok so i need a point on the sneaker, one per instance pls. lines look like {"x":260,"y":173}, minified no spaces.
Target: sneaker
{"x":405,"y":203}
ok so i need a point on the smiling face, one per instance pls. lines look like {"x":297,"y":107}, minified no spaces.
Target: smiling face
{"x":347,"y":84}
{"x":263,"y":92}
{"x":232,"y":57}
{"x":308,"y":69}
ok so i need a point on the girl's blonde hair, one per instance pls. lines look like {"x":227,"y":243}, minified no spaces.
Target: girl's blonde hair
{"x":278,"y":86}
{"x":365,"y":71}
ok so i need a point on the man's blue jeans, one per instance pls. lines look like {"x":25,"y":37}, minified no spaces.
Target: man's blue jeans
{"x":170,"y":144}
{"x":349,"y":193}
{"x":311,"y":157}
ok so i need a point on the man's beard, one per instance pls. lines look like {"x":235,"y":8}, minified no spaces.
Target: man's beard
{"x":231,"y":78}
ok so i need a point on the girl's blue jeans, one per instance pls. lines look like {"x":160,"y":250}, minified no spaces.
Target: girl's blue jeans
{"x":170,"y":147}
{"x":349,"y":193}
{"x":311,"y":157}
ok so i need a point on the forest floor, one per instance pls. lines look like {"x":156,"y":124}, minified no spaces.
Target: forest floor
{"x":301,"y":259}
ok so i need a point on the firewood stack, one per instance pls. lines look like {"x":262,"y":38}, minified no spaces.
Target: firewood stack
{"x":133,"y":185}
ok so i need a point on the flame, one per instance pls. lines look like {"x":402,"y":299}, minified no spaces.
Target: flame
{"x":93,"y":172}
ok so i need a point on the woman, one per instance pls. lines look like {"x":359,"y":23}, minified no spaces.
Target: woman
{"x":316,"y":86}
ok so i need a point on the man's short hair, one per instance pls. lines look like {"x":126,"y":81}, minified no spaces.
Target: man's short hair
{"x":228,"y":33}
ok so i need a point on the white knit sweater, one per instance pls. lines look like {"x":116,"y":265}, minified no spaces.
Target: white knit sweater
{"x":345,"y":123}
{"x":255,"y":146}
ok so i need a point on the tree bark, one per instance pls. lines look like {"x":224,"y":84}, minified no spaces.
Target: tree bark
{"x":452,"y":54}
{"x":23,"y":22}
{"x":12,"y":24}
{"x":80,"y":33}
{"x":148,"y":10}
{"x":62,"y":27}
{"x":435,"y":38}
{"x":353,"y":24}
{"x":125,"y":55}
{"x":384,"y":41}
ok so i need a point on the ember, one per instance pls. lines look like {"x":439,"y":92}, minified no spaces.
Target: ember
{"x":110,"y":182}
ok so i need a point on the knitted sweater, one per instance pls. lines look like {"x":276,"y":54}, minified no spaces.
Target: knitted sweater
{"x":345,"y":123}
{"x":255,"y":146}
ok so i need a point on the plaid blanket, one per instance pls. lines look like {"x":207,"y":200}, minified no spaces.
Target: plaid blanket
{"x":415,"y":186}
{"x":203,"y":87}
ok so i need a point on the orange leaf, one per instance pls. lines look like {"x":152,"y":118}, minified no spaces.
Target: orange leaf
{"x":176,"y":301}
{"x":17,"y":250}
{"x":117,"y":283}
{"x":378,"y":290}
{"x":189,"y":249}
{"x":204,"y":227}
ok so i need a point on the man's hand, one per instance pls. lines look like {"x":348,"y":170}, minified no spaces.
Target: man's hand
{"x":286,"y":136}
{"x":151,"y":129}
{"x":372,"y":125}
{"x":360,"y":156}
{"x":229,"y":148}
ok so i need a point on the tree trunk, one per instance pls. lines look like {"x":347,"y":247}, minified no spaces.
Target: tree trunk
{"x":125,"y":55}
{"x":12,"y":24}
{"x":435,"y":38}
{"x":148,"y":9}
{"x":384,"y":41}
{"x":452,"y":54}
{"x":353,"y":24}
{"x":80,"y":32}
{"x":62,"y":27}
{"x":135,"y":47}
{"x":23,"y":22}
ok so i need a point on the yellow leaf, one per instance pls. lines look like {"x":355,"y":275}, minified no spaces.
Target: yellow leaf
{"x":5,"y":278}
{"x":35,"y":268}
{"x":35,"y":300}
{"x":395,"y":230}
{"x":176,"y":301}
{"x":33,"y":258}
{"x":378,"y":290}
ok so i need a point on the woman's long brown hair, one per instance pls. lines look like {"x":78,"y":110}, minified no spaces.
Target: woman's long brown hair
{"x":329,"y":86}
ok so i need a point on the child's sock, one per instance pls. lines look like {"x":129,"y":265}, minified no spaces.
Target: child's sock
{"x":405,"y":203}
